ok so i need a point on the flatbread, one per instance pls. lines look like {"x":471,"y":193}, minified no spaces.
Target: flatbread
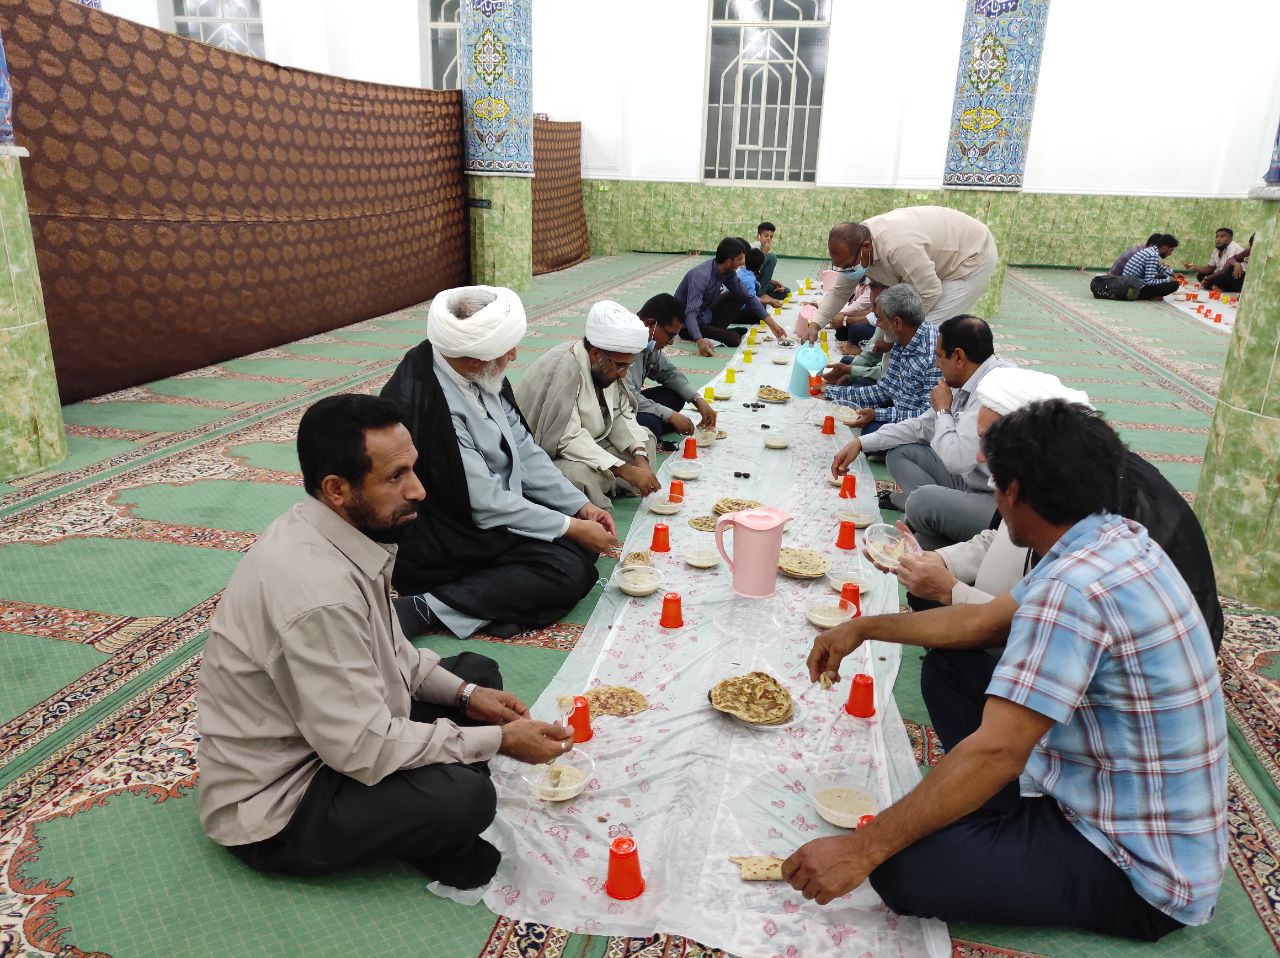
{"x":721,"y":434}
{"x":704,"y":523}
{"x":642,"y":558}
{"x":758,"y":867}
{"x":756,"y":697}
{"x":616,"y":700}
{"x":772,"y":394}
{"x":825,"y":681}
{"x":729,"y":504}
{"x":803,"y":563}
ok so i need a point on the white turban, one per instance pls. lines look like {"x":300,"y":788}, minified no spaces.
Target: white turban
{"x":615,"y":329}
{"x":1009,"y":388}
{"x":486,"y":334}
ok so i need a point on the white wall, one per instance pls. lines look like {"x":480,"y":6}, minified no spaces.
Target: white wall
{"x":1184,"y":61}
{"x":141,"y":11}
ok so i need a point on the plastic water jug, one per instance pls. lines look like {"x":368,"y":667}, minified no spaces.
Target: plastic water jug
{"x":757,"y":543}
{"x":810,"y":360}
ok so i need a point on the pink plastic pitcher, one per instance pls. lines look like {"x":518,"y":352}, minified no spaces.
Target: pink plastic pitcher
{"x":757,"y":541}
{"x":828,"y":279}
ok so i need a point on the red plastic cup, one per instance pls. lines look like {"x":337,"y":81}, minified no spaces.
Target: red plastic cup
{"x":847,"y":538}
{"x":672,"y":616}
{"x":661,"y":538}
{"x":624,"y":881}
{"x":690,"y":448}
{"x":675,"y":488}
{"x":1217,"y":318}
{"x":580,"y":720}
{"x":862,"y":697}
{"x":829,"y":426}
{"x":850,"y":598}
{"x":816,"y":385}
{"x":849,"y":486}
{"x":865,"y":819}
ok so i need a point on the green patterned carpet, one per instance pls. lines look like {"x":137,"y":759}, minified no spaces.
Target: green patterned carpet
{"x":110,"y":567}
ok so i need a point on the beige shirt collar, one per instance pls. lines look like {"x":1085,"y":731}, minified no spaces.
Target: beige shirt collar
{"x":368,"y":556}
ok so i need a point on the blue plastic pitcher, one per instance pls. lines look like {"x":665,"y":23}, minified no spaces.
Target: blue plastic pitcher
{"x":810,"y":360}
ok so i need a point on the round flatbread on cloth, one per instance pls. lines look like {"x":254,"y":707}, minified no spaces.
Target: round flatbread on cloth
{"x":704,"y":523}
{"x":729,"y":504}
{"x":756,"y":697}
{"x":772,"y":394}
{"x":803,"y":563}
{"x":616,"y":700}
{"x":641,"y":558}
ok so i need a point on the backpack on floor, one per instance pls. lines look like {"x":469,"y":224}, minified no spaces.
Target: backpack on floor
{"x":1115,"y":287}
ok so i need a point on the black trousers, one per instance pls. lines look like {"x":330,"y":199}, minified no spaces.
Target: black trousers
{"x":430,"y":817}
{"x":1224,"y":280}
{"x":529,"y":586}
{"x":855,"y":332}
{"x":1156,"y":290}
{"x":726,"y":312}
{"x":1015,"y":860}
{"x":663,"y":396}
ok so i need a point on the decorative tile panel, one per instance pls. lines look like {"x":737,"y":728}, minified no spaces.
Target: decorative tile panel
{"x":495,"y":65}
{"x":995,"y":93}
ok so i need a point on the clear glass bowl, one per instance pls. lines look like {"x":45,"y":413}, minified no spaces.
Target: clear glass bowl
{"x":538,"y":777}
{"x":638,"y":581}
{"x":885,"y":545}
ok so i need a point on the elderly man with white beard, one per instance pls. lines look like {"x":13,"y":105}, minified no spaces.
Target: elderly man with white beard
{"x":503,"y":542}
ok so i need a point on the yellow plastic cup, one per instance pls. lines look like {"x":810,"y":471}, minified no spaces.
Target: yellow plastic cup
{"x":728,"y":375}
{"x":777,"y":310}
{"x":709,"y":393}
{"x":751,"y":337}
{"x":746,"y":356}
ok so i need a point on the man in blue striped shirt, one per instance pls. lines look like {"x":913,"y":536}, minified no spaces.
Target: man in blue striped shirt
{"x":1157,"y":279}
{"x":910,"y":368}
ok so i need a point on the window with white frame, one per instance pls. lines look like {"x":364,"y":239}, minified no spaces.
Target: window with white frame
{"x":234,"y":25}
{"x":440,"y":43}
{"x":767,"y":64}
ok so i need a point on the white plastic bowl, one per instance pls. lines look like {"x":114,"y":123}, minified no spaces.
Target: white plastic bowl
{"x":537,"y":776}
{"x":638,"y":581}
{"x":701,"y":558}
{"x":776,"y":442}
{"x":819,"y":788}
{"x":686,"y":469}
{"x":665,"y":505}
{"x":860,"y":520}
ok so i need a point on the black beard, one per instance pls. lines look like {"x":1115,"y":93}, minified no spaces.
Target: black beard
{"x":601,"y":383}
{"x":386,"y":533}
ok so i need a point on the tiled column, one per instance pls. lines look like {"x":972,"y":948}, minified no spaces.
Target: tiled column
{"x":991,"y":117}
{"x":495,"y":61}
{"x":31,"y":436}
{"x":1238,"y":501}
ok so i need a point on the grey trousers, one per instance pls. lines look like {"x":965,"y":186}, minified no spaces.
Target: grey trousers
{"x":940,"y":507}
{"x":601,"y":487}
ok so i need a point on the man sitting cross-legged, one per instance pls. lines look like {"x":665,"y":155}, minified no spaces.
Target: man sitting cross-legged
{"x":934,"y":456}
{"x":583,"y":415}
{"x":1090,"y":790}
{"x":659,"y":407}
{"x":503,"y":541}
{"x":327,"y":740}
{"x":911,"y":371}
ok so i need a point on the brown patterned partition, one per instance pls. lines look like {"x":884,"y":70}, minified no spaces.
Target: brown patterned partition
{"x":190,"y":205}
{"x":559,"y":221}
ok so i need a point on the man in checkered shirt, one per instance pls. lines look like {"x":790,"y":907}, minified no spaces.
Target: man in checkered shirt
{"x":1091,"y":792}
{"x":1157,"y":279}
{"x":911,"y":369}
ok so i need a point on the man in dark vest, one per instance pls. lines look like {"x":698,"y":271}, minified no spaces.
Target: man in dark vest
{"x":503,"y":542}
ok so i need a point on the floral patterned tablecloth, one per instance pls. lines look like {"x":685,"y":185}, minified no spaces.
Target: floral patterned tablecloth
{"x":693,"y":786}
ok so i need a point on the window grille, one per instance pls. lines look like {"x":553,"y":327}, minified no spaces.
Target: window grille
{"x":234,"y":25}
{"x":440,"y":56}
{"x":767,"y":63}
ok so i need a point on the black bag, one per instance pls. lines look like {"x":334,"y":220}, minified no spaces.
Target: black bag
{"x":1115,"y":287}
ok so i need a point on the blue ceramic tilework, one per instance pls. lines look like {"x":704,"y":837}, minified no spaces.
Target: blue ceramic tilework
{"x":495,"y":63}
{"x":995,"y":93}
{"x":6,"y":99}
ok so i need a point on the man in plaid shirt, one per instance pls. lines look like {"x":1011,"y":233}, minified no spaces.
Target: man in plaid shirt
{"x":911,"y":369}
{"x":1157,"y":279}
{"x":1090,"y":790}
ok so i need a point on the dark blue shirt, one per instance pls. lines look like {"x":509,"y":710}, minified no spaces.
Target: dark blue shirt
{"x":700,"y":289}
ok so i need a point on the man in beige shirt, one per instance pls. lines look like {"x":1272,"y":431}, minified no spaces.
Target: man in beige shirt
{"x":948,"y":256}
{"x":327,"y":740}
{"x":582,"y":412}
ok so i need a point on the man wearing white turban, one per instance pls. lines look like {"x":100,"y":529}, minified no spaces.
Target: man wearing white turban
{"x":988,"y":564}
{"x":502,"y":541}
{"x":583,"y":415}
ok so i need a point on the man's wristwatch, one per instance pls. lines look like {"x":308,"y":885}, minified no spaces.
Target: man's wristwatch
{"x":465,"y":700}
